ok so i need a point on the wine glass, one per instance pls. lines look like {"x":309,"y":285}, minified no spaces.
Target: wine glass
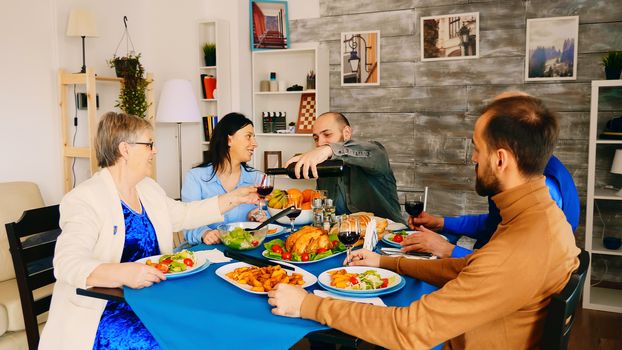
{"x":296,"y":202}
{"x":264,"y":188}
{"x":349,"y":231}
{"x":414,"y":203}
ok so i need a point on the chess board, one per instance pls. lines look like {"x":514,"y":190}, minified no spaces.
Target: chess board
{"x":306,"y":114}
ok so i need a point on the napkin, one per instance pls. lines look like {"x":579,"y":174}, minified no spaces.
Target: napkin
{"x":371,"y":236}
{"x":374,"y":301}
{"x":213,"y":255}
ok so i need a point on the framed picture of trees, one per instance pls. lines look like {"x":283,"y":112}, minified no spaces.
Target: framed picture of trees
{"x":551,"y":52}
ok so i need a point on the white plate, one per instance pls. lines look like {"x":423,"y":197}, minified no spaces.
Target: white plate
{"x":265,"y":252}
{"x":324,"y":280}
{"x":222,"y":272}
{"x":201,"y":263}
{"x":395,"y":226}
{"x":252,"y":224}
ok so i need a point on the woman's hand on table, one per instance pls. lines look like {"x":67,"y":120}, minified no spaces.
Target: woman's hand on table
{"x":211,"y":237}
{"x":434,"y":223}
{"x":362,"y":257}
{"x":286,"y":299}
{"x":133,"y":275}
{"x":427,"y":241}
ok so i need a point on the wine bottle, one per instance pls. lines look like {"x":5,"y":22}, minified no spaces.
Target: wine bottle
{"x":328,"y":168}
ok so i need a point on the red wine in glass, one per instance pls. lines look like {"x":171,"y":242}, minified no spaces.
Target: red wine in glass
{"x":263,"y":191}
{"x":414,"y":208}
{"x":348,"y":238}
{"x":294,"y":214}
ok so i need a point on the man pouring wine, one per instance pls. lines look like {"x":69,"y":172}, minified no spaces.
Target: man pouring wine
{"x":367,"y":184}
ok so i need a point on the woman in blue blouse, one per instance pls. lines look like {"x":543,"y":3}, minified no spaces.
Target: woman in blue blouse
{"x":223,"y":170}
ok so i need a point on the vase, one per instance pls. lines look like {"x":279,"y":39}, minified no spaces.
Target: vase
{"x":210,"y":60}
{"x":209,"y":84}
{"x":612,"y":73}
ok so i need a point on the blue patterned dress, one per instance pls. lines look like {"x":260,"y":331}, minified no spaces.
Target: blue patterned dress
{"x":119,"y":327}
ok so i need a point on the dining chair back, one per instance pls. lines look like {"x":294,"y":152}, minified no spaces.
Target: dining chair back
{"x":562,"y":308}
{"x":31,"y":242}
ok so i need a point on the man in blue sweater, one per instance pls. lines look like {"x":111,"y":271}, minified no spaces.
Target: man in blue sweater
{"x":482,"y":226}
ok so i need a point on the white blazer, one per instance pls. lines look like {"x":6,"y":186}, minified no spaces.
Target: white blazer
{"x":93,"y":233}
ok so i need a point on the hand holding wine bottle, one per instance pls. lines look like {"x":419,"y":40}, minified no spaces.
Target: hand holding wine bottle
{"x":306,"y":163}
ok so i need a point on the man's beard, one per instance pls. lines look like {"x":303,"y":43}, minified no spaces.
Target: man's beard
{"x":486,"y":185}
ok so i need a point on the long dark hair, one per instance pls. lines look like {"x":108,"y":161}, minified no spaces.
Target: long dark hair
{"x":218,"y":154}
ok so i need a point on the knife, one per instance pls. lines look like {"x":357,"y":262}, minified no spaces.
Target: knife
{"x":254,"y":261}
{"x":398,"y":252}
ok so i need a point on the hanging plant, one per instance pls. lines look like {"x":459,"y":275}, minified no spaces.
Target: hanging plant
{"x":132,"y":97}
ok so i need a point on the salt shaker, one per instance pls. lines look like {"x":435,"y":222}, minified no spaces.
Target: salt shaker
{"x":318,"y":212}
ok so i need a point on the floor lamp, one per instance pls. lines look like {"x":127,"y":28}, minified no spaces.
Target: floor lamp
{"x":178,"y":104}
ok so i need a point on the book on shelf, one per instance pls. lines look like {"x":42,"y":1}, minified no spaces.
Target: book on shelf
{"x":203,"y":86}
{"x":209,"y":122}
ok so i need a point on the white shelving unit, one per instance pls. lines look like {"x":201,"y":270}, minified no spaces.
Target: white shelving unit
{"x":596,"y":297}
{"x":292,"y":66}
{"x":215,"y":31}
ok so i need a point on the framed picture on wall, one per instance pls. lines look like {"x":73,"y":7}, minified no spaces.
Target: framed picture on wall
{"x":450,"y":37}
{"x":272,"y":159}
{"x":269,"y":25}
{"x":360,"y":58}
{"x":551,"y":52}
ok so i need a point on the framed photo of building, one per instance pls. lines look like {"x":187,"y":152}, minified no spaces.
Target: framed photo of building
{"x":360,"y":58}
{"x":450,"y":37}
{"x":269,"y":25}
{"x":551,"y":48}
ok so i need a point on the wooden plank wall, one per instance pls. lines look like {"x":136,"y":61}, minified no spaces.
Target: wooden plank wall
{"x":423,"y":112}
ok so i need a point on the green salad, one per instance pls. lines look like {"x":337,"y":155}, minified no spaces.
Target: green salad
{"x":238,"y":238}
{"x":371,"y":279}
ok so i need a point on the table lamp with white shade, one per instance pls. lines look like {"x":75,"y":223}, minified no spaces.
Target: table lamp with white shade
{"x":616,"y":167}
{"x":178,"y":104}
{"x":81,"y":23}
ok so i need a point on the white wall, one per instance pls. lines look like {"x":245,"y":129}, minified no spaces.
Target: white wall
{"x":34,"y":47}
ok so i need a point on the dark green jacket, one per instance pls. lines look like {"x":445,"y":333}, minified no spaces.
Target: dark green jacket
{"x":368,"y":183}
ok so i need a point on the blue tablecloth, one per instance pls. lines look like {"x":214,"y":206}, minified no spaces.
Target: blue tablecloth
{"x":203,"y":311}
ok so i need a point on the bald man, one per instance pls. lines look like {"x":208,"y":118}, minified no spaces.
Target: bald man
{"x":368,"y":183}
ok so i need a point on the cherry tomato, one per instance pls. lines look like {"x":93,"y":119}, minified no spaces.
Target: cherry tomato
{"x":304,"y":257}
{"x":353,"y":280}
{"x":167,"y":261}
{"x":277,"y":249}
{"x":321,"y":250}
{"x":286,"y":256}
{"x":162,"y":267}
{"x":188,"y":262}
{"x":398,"y":238}
{"x":255,"y":243}
{"x":335,"y":243}
{"x":385,"y":283}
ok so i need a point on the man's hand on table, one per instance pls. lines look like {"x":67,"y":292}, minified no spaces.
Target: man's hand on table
{"x":286,"y":299}
{"x":310,"y":160}
{"x":362,"y":257}
{"x":434,"y":223}
{"x":428,"y":242}
{"x":211,"y":237}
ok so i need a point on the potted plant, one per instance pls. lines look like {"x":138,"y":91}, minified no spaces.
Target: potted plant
{"x":132,"y":98}
{"x":613,"y":64}
{"x":209,"y":52}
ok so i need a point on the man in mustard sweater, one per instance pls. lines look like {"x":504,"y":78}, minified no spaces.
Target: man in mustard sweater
{"x":497,"y":297}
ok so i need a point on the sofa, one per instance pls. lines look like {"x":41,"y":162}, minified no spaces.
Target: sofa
{"x":15,"y":197}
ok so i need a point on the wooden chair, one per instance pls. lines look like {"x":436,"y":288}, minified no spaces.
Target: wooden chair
{"x":561,"y":311}
{"x":31,"y":241}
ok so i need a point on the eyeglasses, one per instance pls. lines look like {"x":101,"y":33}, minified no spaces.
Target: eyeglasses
{"x":150,"y":144}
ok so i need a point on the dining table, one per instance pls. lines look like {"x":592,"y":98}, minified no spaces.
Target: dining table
{"x":203,"y":310}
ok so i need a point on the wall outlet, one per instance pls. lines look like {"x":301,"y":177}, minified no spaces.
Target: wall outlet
{"x":82,"y":101}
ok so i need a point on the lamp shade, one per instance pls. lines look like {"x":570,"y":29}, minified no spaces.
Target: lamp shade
{"x":178,"y":103}
{"x":81,"y":23}
{"x":616,"y":165}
